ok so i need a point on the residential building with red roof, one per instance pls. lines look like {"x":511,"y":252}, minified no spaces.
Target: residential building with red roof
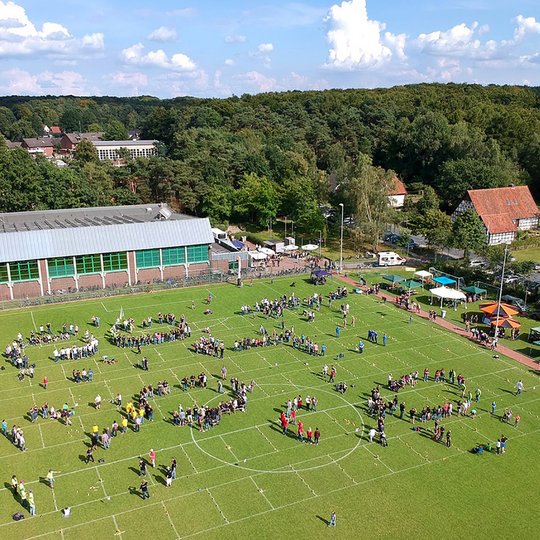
{"x":396,"y":194}
{"x":503,"y":211}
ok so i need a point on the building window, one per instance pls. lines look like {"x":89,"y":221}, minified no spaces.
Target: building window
{"x":233,"y":265}
{"x":196,"y":254}
{"x":61,"y":267}
{"x":3,"y":273}
{"x":112,"y":262}
{"x":25,"y":270}
{"x":173,"y":256}
{"x":88,"y":264}
{"x":148,"y":258}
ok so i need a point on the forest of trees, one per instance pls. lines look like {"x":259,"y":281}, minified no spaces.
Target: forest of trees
{"x":252,"y":158}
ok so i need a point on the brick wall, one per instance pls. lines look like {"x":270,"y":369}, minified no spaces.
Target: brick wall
{"x":66,"y":283}
{"x":198,"y":269}
{"x":116,"y":279}
{"x":174,"y":272}
{"x":146,"y":275}
{"x":26,"y":289}
{"x":4,"y":292}
{"x":90,"y":280}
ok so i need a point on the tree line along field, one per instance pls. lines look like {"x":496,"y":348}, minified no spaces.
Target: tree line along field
{"x":244,"y":477}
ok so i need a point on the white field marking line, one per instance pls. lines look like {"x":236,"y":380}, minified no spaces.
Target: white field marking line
{"x":96,"y":362}
{"x":33,"y":320}
{"x":41,"y":436}
{"x":241,"y":479}
{"x":189,"y":459}
{"x":118,"y":532}
{"x":228,"y":447}
{"x":303,"y":480}
{"x":153,"y":398}
{"x":105,"y":307}
{"x":220,"y":485}
{"x":269,"y":441}
{"x":411,"y":448}
{"x":217,"y":505}
{"x":54,"y":499}
{"x":108,"y":389}
{"x":335,"y":420}
{"x":102,"y":484}
{"x":229,"y":359}
{"x":261,"y":491}
{"x":378,"y":458}
{"x":127,"y":357}
{"x":63,"y":371}
{"x":342,"y":470}
{"x":261,"y":356}
{"x":170,"y":520}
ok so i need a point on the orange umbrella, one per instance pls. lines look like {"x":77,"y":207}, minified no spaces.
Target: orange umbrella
{"x":502,"y":310}
{"x":506,"y":323}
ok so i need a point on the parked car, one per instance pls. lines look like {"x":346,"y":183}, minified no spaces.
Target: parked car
{"x":534,"y":315}
{"x":391,"y":237}
{"x":478,"y":263}
{"x":516,"y":302}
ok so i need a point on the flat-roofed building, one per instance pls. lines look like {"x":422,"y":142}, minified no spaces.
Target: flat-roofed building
{"x":111,"y":150}
{"x":84,"y":248}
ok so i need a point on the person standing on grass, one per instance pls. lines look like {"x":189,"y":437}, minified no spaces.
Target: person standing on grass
{"x":45,"y":382}
{"x":384,"y":339}
{"x":142,"y":467}
{"x":97,"y":402}
{"x":31,"y":503}
{"x":301,"y":431}
{"x":517,"y":418}
{"x":317,"y":436}
{"x":493,"y":407}
{"x":145,"y":494}
{"x":14,"y":484}
{"x":50,"y":478}
{"x":284,"y":424}
{"x":333,"y":373}
{"x":477,"y":395}
{"x":519,"y":387}
{"x":448,"y":438}
{"x":332,"y":522}
{"x":22,"y":493}
{"x":338,"y":330}
{"x":90,"y":455}
{"x":173,"y":468}
{"x":152,"y":455}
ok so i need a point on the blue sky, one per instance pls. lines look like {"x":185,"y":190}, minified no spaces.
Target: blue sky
{"x":217,"y":48}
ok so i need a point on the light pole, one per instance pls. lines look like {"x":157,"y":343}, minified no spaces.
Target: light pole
{"x":500,"y":291}
{"x":341,"y":241}
{"x":320,"y":243}
{"x":285,"y":227}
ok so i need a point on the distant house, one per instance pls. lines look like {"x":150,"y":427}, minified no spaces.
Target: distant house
{"x":396,"y":194}
{"x":56,"y":131}
{"x":40,"y":146}
{"x":134,"y":134}
{"x":109,"y":150}
{"x":503,"y":211}
{"x":69,"y":141}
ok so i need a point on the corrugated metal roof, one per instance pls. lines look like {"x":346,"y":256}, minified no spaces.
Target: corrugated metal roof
{"x":44,"y":244}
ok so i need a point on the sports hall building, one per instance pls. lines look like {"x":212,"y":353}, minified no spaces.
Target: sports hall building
{"x":44,"y":252}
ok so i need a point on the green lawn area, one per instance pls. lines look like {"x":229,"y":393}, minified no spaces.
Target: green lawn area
{"x":531,"y":254}
{"x":244,"y":477}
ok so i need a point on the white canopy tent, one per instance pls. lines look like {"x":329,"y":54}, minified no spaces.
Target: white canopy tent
{"x":445,"y":293}
{"x":266,"y":251}
{"x":423,"y":274}
{"x":290,"y":247}
{"x":257,"y":256}
{"x":310,"y":247}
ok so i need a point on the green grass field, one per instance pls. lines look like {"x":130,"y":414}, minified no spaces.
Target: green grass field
{"x":243,"y":477}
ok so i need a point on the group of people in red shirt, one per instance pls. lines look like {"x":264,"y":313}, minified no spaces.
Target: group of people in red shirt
{"x":311,"y":436}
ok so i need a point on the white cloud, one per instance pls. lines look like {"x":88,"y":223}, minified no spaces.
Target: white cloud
{"x":229,"y":62}
{"x":135,"y":55}
{"x":236,"y":38}
{"x":163,"y":33}
{"x":20,"y":37}
{"x":182,"y":12}
{"x":357,"y":41}
{"x":18,"y":81}
{"x":263,"y":52}
{"x":458,"y":40}
{"x":265,"y":48}
{"x":130,"y":80}
{"x":258,"y":81}
{"x":525,"y":25}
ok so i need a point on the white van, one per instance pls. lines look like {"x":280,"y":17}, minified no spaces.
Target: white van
{"x":390,"y":258}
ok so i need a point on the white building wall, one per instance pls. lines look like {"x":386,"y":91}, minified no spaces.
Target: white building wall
{"x":528,"y":223}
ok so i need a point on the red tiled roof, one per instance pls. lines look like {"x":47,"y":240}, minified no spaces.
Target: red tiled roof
{"x":398,"y":188}
{"x":56,"y":130}
{"x":501,"y":208}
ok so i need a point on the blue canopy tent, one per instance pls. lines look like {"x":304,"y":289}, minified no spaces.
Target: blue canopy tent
{"x":318,"y":276}
{"x":443,"y":280}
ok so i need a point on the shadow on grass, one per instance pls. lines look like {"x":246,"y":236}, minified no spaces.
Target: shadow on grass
{"x":511,"y":392}
{"x":325,"y":521}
